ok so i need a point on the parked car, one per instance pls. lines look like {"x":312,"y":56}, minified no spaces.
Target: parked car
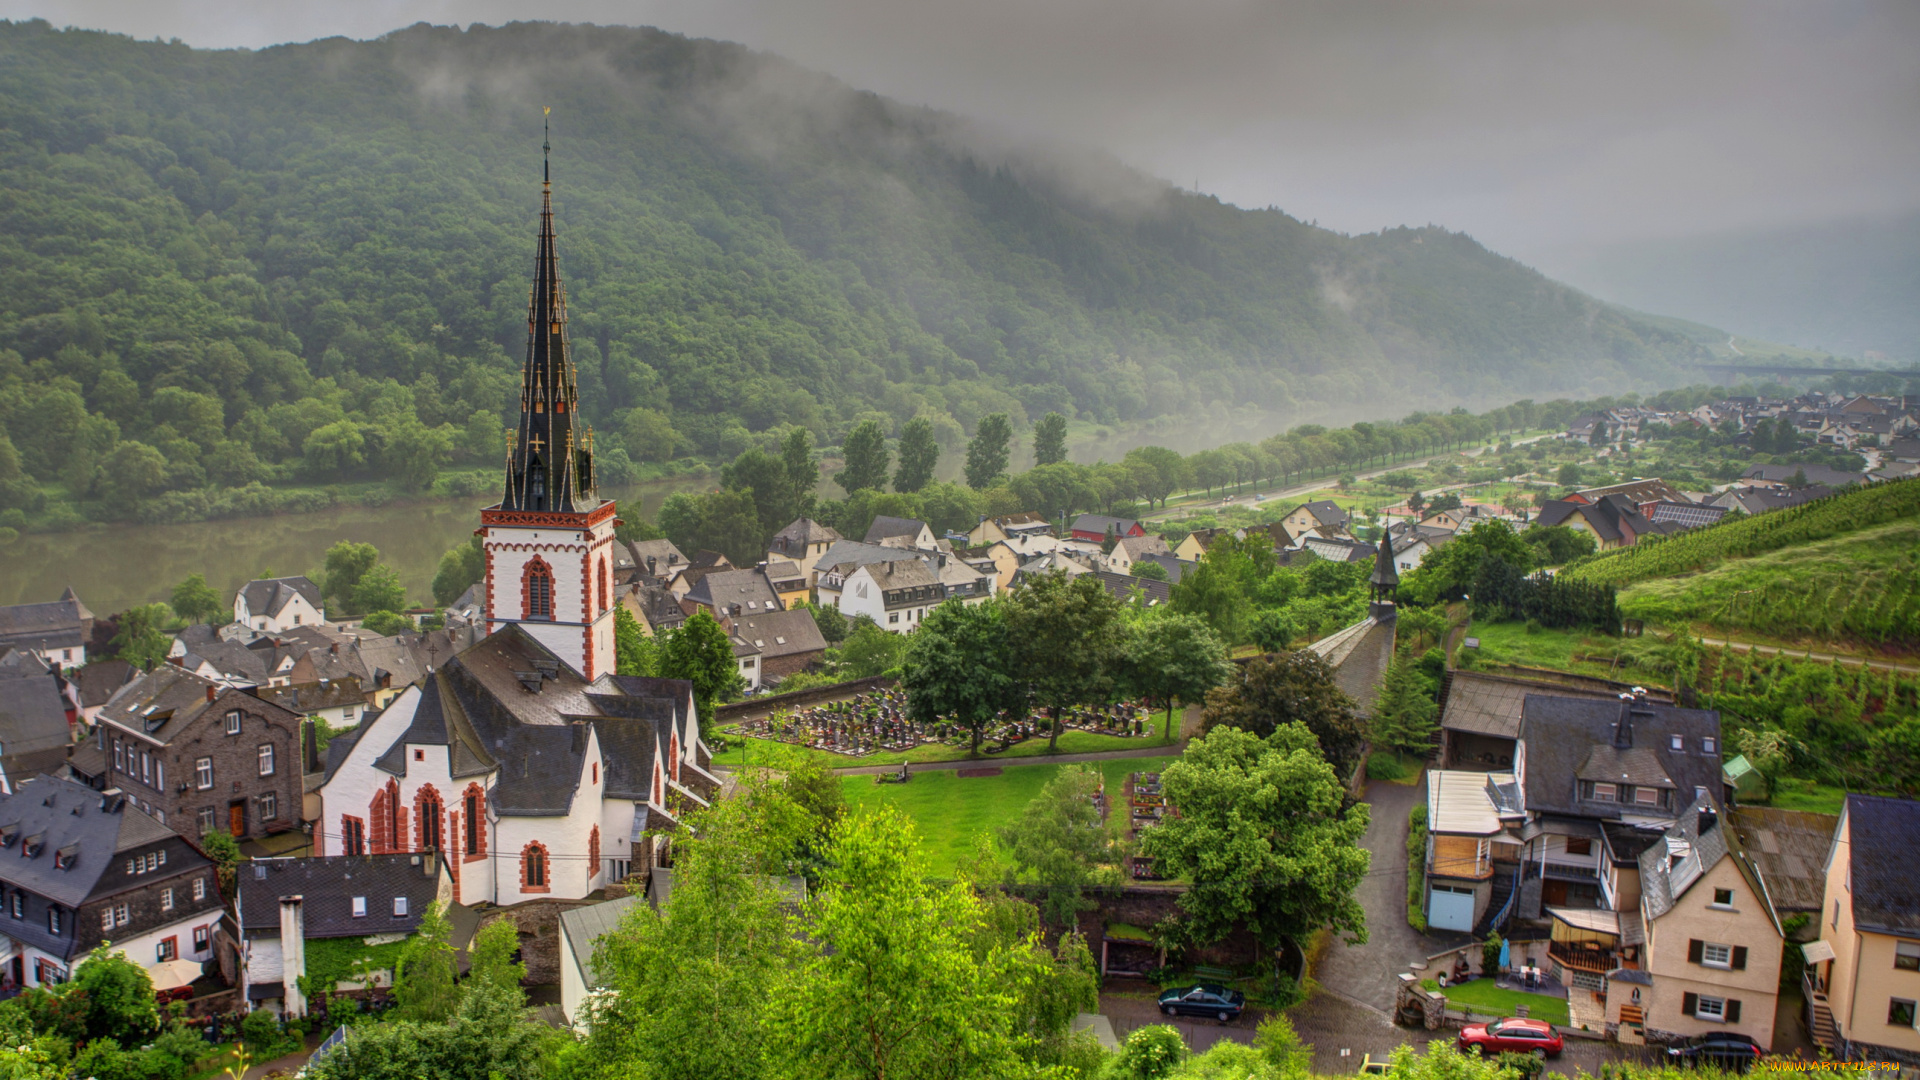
{"x":1514,"y":1034}
{"x":1375,"y":1066}
{"x":1216,"y":1001}
{"x":1727,"y":1050}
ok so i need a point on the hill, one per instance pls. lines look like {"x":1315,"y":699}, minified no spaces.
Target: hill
{"x":309,"y":263}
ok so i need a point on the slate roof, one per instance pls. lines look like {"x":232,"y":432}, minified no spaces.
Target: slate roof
{"x":60,"y":814}
{"x":99,"y":680}
{"x":328,"y":885}
{"x":902,"y":574}
{"x":855,"y":553}
{"x":1695,"y":844}
{"x":1816,"y":474}
{"x":886,"y":528}
{"x":1566,"y":736}
{"x":268,"y":596}
{"x":737,"y":592}
{"x":1101,"y":523}
{"x":1639,"y":491}
{"x":1885,"y":833}
{"x":164,"y":701}
{"x":1141,"y":546}
{"x":781,"y":633}
{"x":1154,"y":593}
{"x":793,"y":539}
{"x":1326,"y":512}
{"x":1790,"y":848}
{"x":586,"y":925}
{"x":34,"y":733}
{"x":1175,"y":568}
{"x":57,"y":624}
{"x":665,"y":556}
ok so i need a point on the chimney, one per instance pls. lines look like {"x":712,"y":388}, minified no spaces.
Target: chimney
{"x":211,"y":690}
{"x":293,"y":954}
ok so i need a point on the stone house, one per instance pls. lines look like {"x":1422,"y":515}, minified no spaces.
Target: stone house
{"x":203,"y":756}
{"x":37,"y":714}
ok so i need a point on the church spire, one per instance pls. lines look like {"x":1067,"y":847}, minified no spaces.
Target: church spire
{"x":1385,"y":580}
{"x":550,"y":465}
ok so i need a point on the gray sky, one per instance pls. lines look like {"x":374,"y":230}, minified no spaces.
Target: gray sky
{"x":1539,"y":126}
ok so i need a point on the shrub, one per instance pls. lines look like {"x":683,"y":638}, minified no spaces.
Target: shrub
{"x":1150,"y":1053}
{"x":1385,"y":766}
{"x":1417,"y":867}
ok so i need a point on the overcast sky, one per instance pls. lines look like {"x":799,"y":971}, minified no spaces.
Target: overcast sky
{"x":1536,"y":125}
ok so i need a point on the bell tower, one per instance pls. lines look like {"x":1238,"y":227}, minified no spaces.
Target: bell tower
{"x":549,"y":541}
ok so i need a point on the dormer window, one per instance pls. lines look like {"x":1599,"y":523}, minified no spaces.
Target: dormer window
{"x":1678,"y":744}
{"x":359,"y":907}
{"x":1648,"y":796}
{"x":1605,"y":793}
{"x":399,"y":907}
{"x":1709,"y":745}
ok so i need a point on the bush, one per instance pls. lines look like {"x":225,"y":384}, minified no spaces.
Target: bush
{"x":1385,"y":766}
{"x":1417,"y":867}
{"x":260,"y":1029}
{"x":1150,"y":1053}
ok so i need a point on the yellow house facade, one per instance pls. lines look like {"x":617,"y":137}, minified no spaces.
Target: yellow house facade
{"x":1864,"y":972}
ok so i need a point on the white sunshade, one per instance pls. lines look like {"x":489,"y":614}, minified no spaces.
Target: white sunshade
{"x":172,"y":974}
{"x":1817,"y":952}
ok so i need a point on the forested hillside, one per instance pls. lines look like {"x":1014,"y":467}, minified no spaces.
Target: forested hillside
{"x":224,"y":273}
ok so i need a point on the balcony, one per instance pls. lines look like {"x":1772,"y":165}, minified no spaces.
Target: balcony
{"x":1585,"y":957}
{"x":1559,"y":871}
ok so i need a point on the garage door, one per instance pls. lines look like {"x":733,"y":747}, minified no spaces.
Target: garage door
{"x":1450,"y":909}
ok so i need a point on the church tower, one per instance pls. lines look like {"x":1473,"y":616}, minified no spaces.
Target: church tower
{"x":549,"y":541}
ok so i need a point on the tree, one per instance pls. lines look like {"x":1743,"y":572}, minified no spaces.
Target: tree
{"x":220,"y":846}
{"x":919,"y":453}
{"x":346,"y":563}
{"x":196,"y":601}
{"x":1449,"y":572}
{"x":1416,"y":500}
{"x":989,"y":451}
{"x":1569,"y":475}
{"x":387,"y":623}
{"x":118,"y":996}
{"x":868,"y":650}
{"x":1403,"y":713}
{"x":701,"y":652}
{"x":1212,"y":592}
{"x":1064,"y":635}
{"x":649,"y":435}
{"x":775,"y":501}
{"x":865,"y":451}
{"x":1151,"y":1052}
{"x":424,"y":976}
{"x":635,"y":651}
{"x":1159,"y":472}
{"x":1288,"y":687}
{"x":486,"y":1036}
{"x":803,"y":467}
{"x":1150,"y":570}
{"x":1265,"y":835}
{"x":1050,"y":440}
{"x":142,"y":641}
{"x":460,"y":569}
{"x":957,"y":668}
{"x":1557,"y":545}
{"x":378,"y":589}
{"x":1173,"y":658}
{"x":491,"y":955}
{"x":832,"y":624}
{"x":1059,"y":843}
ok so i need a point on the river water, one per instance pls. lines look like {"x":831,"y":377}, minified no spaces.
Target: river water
{"x":118,"y":566}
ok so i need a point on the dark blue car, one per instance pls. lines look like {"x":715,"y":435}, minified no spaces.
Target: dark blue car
{"x":1216,"y":1001}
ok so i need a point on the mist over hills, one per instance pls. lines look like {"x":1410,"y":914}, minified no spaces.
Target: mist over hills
{"x":1847,"y":287}
{"x":310,"y":261}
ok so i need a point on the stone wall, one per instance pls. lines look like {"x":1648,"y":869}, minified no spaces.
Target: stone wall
{"x":538,"y":922}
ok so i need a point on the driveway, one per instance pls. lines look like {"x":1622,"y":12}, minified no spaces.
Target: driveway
{"x":1369,"y":974}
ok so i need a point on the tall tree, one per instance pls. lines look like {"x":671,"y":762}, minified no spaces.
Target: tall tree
{"x":866,"y":454}
{"x":1270,"y":691}
{"x":1060,"y":843}
{"x":1050,"y":440}
{"x":346,"y":563}
{"x":1158,"y":471}
{"x":1064,"y":634}
{"x":424,"y":979}
{"x":919,"y":453}
{"x":958,"y":667}
{"x":1265,"y":835}
{"x":1173,"y":658}
{"x":460,"y":568}
{"x":988,"y":453}
{"x":492,"y":958}
{"x":1403,"y":713}
{"x":802,"y":465}
{"x":142,"y":638}
{"x":635,"y":651}
{"x":196,"y":601}
{"x":378,"y":589}
{"x":775,"y":501}
{"x":701,"y":652}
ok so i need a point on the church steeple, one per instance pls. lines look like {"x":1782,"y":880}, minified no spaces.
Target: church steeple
{"x":1385,"y":580}
{"x":550,"y":465}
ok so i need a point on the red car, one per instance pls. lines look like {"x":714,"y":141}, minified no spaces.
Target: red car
{"x":1536,"y":1037}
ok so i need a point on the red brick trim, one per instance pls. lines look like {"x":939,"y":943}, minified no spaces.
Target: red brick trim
{"x":593,"y":853}
{"x":428,"y":795}
{"x":478,"y":810}
{"x":487,"y":550}
{"x":532,"y":857}
{"x":541,"y":567}
{"x":548,"y":518}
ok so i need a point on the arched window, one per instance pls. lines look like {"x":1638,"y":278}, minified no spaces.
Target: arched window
{"x":533,"y":867}
{"x":593,"y":852}
{"x":474,"y":802}
{"x":427,"y":819}
{"x":536,"y":589}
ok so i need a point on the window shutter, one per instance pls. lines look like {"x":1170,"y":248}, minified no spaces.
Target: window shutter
{"x":1693,"y":953}
{"x":1733,"y":1011}
{"x":1690,"y":1004}
{"x":1739,"y":958}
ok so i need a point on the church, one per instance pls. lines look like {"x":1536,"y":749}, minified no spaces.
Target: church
{"x":527,"y":762}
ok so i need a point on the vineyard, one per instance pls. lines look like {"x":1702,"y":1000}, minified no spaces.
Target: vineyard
{"x":1862,"y":585}
{"x":1701,"y":549}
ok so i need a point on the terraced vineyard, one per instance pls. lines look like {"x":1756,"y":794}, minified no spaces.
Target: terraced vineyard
{"x":1850,"y":511}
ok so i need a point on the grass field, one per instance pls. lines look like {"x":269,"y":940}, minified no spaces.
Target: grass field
{"x":1559,"y":650}
{"x":1483,"y":997}
{"x":951,"y":812}
{"x":765,"y":751}
{"x":1793,"y":793}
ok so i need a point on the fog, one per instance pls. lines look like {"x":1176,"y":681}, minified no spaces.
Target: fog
{"x":1538,"y":126}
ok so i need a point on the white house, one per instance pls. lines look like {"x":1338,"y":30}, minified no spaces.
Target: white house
{"x":902,"y":533}
{"x":275,"y":604}
{"x":56,"y":631}
{"x":1130,"y":549}
{"x":535,"y":781}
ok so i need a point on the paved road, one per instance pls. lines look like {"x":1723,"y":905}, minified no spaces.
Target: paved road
{"x":1808,"y":654}
{"x":1369,"y":973}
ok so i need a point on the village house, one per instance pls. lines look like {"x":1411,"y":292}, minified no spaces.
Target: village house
{"x":896,"y":595}
{"x":1614,"y":521}
{"x":1321,"y":516}
{"x":56,"y":631}
{"x":777,"y":644}
{"x":233,"y":757}
{"x":1096,"y":528}
{"x":98,"y":682}
{"x":37,"y":714}
{"x":655,"y":560}
{"x":802,"y":543}
{"x":336,"y":703}
{"x":992,"y":530}
{"x":282,"y":904}
{"x":788,"y":581}
{"x":1863,"y":974}
{"x":271,"y":605}
{"x":535,"y":781}
{"x":653,"y":606}
{"x":902,"y":533}
{"x":1130,"y":549}
{"x":734,"y":593}
{"x":79,"y":867}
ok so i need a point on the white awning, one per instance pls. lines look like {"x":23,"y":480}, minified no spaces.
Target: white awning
{"x":1817,"y":952}
{"x":172,"y":974}
{"x":1590,"y":919}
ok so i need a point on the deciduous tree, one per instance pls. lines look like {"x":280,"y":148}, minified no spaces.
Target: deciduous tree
{"x":919,"y":453}
{"x":1064,"y":635}
{"x":1288,"y":687}
{"x":958,"y":667}
{"x":196,"y":601}
{"x":988,"y":453}
{"x":1060,"y":843}
{"x":1050,"y":440}
{"x":1173,"y":658}
{"x":865,"y":451}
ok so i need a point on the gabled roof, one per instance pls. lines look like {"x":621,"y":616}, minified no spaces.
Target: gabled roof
{"x":162,"y":703}
{"x":802,"y":532}
{"x":1325,"y":511}
{"x":1885,"y":833}
{"x":1139,"y":546}
{"x":1153,"y":593}
{"x":34,"y":733}
{"x":57,"y":624}
{"x":268,"y":596}
{"x":1639,"y":491}
{"x":781,"y":633}
{"x":858,"y":553}
{"x":1789,"y":847}
{"x":664,"y":555}
{"x":1101,"y":523}
{"x":63,"y":814}
{"x":887,"y":528}
{"x":901,"y":574}
{"x":1694,"y":845}
{"x":1816,"y":474}
{"x":1565,"y":736}
{"x":747,"y":590}
{"x":328,"y":885}
{"x":99,"y":680}
{"x":586,"y":925}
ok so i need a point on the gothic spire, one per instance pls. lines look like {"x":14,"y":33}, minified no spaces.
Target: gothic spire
{"x":550,"y":466}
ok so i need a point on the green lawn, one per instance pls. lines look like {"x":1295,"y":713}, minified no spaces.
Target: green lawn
{"x":768,"y":752}
{"x":1483,"y":997}
{"x":1792,"y":793}
{"x":951,"y":812}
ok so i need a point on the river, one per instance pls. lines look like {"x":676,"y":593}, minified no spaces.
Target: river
{"x":116,"y":567}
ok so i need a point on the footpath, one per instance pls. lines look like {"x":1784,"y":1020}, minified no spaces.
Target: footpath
{"x":1808,"y":654}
